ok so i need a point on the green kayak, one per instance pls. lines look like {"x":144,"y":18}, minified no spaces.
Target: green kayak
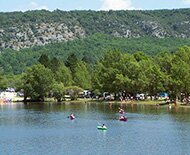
{"x":99,"y":127}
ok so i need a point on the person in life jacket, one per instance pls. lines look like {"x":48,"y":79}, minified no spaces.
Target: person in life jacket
{"x":72,"y":116}
{"x":121,"y":111}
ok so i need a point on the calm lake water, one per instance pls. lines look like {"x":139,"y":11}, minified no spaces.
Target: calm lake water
{"x":44,"y":129}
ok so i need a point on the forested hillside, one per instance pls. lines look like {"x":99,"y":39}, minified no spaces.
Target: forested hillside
{"x":20,"y":30}
{"x":89,"y":49}
{"x":24,"y":37}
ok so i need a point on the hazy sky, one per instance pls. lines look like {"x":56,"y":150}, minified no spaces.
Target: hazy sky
{"x":23,"y":5}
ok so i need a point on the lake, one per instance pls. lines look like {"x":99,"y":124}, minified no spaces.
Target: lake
{"x":37,"y":129}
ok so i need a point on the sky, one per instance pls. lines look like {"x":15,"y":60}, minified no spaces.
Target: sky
{"x":66,"y":5}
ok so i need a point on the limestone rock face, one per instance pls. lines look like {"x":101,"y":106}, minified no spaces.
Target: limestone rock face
{"x":39,"y":34}
{"x":153,"y":28}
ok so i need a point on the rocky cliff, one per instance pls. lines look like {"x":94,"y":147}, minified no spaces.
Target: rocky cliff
{"x":38,"y":34}
{"x":36,"y":28}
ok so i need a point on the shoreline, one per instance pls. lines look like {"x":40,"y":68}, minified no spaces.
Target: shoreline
{"x":84,"y":100}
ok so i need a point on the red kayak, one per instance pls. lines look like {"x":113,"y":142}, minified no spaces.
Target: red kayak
{"x":123,"y":119}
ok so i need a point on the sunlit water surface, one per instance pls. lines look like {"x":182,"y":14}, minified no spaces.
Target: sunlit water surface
{"x":44,"y":129}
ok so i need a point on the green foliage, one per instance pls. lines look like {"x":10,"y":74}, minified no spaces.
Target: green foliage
{"x":138,"y":73}
{"x":107,"y":71}
{"x":115,"y":72}
{"x":58,"y":91}
{"x":71,"y":62}
{"x":54,"y":64}
{"x":139,"y":56}
{"x":90,"y":49}
{"x":37,"y":82}
{"x":155,"y":78}
{"x":101,"y":21}
{"x":82,"y":77}
{"x":11,"y":81}
{"x":44,"y":60}
{"x":127,"y":31}
{"x":63,"y":75}
{"x":107,"y":59}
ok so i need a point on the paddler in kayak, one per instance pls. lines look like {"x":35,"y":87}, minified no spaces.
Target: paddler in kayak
{"x":72,"y":116}
{"x":121,"y":111}
{"x":104,"y":126}
{"x":123,"y":118}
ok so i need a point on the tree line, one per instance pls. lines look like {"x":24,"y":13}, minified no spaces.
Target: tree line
{"x":115,"y":72}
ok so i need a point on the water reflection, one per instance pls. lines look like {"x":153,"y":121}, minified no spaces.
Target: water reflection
{"x":45,"y":129}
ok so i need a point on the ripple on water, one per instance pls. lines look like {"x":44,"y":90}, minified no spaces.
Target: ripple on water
{"x":38,"y":129}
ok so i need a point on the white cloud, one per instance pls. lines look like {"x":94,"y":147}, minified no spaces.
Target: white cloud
{"x":186,"y":1}
{"x":116,"y":5}
{"x":34,"y":6}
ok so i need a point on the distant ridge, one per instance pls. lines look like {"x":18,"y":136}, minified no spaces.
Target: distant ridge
{"x":37,"y":28}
